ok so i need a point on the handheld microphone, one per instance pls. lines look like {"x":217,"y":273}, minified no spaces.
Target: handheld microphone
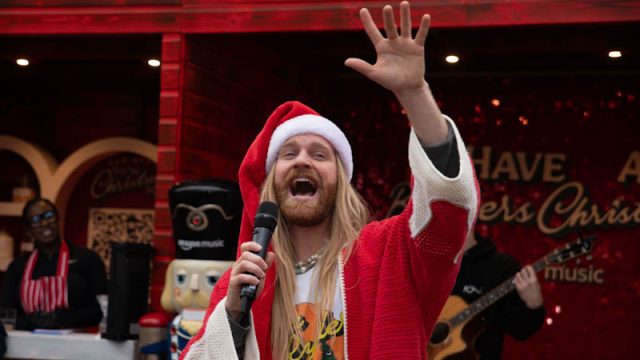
{"x":264,"y":224}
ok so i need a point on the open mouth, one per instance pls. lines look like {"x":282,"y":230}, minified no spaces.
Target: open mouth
{"x":303,"y":187}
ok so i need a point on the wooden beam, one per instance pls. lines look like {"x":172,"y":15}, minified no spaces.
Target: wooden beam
{"x":208,"y":16}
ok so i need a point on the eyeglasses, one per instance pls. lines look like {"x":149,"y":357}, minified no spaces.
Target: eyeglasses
{"x":38,"y":218}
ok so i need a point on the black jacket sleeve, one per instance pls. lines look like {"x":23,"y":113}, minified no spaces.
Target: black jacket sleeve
{"x":11,"y":293}
{"x":87,"y":311}
{"x":12,"y":285}
{"x":515,"y":318}
{"x":445,"y":156}
{"x":239,"y":333}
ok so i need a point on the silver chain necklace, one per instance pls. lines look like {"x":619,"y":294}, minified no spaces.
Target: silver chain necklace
{"x":303,"y":266}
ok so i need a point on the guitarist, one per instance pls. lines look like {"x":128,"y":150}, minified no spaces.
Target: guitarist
{"x":519,"y":314}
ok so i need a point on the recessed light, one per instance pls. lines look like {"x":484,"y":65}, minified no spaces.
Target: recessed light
{"x":153,"y":62}
{"x":452,"y":59}
{"x":22,"y":62}
{"x":614,"y":54}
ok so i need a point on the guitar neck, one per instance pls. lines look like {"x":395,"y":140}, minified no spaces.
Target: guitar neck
{"x":492,"y":296}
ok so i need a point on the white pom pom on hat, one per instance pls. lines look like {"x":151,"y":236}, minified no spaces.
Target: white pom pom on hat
{"x":311,"y":124}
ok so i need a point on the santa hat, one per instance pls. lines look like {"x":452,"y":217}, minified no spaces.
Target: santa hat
{"x":310,"y":124}
{"x":289,"y":119}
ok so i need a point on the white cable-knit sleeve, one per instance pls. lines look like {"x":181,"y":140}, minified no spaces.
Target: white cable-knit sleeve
{"x":431,"y":185}
{"x":217,"y":341}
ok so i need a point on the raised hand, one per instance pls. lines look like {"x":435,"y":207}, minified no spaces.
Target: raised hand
{"x":399,"y":65}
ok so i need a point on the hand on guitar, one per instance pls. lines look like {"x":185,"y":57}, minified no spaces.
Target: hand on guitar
{"x":528,"y":287}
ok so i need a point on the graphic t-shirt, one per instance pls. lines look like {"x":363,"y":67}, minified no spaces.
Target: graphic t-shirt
{"x":331,"y":339}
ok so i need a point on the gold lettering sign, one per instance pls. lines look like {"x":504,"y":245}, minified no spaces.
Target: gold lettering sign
{"x":580,"y":212}
{"x":583,"y":275}
{"x":568,"y":207}
{"x":631,"y":168}
{"x":519,"y":166}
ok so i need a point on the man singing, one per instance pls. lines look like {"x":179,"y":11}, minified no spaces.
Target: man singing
{"x":335,"y":287}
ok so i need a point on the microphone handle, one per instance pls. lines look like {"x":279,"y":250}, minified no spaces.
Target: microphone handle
{"x":263,"y":237}
{"x":248,"y":292}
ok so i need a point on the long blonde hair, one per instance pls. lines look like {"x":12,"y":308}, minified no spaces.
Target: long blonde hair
{"x":349,"y":216}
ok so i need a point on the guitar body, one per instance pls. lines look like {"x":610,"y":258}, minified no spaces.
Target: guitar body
{"x":454,"y":343}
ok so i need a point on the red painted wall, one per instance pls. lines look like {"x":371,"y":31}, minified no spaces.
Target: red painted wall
{"x":215,"y":94}
{"x":207,"y":16}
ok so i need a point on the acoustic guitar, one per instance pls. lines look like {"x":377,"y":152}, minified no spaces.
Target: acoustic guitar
{"x":455,"y":332}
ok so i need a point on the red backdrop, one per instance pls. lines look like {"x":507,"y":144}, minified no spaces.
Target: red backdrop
{"x":586,"y":129}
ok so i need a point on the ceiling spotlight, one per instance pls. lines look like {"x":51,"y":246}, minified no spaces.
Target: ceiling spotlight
{"x":614,"y":54}
{"x":153,"y":62}
{"x":22,"y":62}
{"x":452,"y":59}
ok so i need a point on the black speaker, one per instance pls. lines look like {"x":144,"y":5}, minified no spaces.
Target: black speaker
{"x":128,"y":289}
{"x":206,"y":219}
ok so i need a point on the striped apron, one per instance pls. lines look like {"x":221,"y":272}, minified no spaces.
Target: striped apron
{"x":47,"y":293}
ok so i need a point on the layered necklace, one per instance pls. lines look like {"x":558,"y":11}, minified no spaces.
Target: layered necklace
{"x":303,"y":266}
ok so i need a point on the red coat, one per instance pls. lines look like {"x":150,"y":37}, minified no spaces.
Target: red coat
{"x":394,"y":284}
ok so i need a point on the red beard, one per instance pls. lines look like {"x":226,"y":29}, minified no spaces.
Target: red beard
{"x":310,"y":212}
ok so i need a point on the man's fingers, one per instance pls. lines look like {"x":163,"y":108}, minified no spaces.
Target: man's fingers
{"x":251,"y":268}
{"x":242,"y":279}
{"x":359,"y":65}
{"x":525,"y":277}
{"x":370,"y":27}
{"x":389,"y":23}
{"x":421,"y":35}
{"x":405,"y":20}
{"x":518,"y":281}
{"x":531,"y":273}
{"x":250,"y":246}
{"x":255,"y":259}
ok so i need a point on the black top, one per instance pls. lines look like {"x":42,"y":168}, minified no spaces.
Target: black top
{"x":482,"y":269}
{"x":87,"y":279}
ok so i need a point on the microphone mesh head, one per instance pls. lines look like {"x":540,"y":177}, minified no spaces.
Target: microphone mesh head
{"x":267,"y":215}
